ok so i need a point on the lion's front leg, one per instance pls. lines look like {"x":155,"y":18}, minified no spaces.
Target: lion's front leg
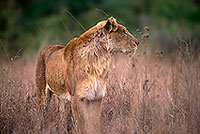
{"x":87,"y":115}
{"x":86,"y":104}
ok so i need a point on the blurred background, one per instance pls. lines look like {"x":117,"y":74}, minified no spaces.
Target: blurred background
{"x":28,"y":25}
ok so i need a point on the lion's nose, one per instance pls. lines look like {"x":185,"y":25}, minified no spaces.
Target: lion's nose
{"x":137,"y":42}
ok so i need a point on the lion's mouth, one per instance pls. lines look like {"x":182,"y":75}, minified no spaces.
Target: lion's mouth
{"x":128,"y":53}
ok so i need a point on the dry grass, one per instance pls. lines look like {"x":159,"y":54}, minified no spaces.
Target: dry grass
{"x":151,"y":95}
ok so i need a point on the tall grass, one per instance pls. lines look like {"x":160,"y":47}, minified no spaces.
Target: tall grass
{"x":151,"y":94}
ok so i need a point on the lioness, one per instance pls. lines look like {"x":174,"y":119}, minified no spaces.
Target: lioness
{"x":78,"y":71}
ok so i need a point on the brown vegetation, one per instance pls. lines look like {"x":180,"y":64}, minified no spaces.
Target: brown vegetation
{"x":153,"y":95}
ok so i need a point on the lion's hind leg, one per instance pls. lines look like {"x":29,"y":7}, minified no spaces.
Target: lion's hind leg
{"x":44,"y":106}
{"x":43,"y":92}
{"x":46,"y":100}
{"x":41,"y":83}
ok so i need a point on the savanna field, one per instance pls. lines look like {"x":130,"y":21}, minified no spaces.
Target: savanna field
{"x":150,"y":93}
{"x":155,"y":92}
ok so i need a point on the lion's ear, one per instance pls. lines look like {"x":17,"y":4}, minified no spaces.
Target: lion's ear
{"x":111,"y":25}
{"x":114,"y":24}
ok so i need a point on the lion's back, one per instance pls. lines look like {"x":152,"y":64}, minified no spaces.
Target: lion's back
{"x":48,"y":50}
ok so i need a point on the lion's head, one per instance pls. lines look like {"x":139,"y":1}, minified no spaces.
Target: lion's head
{"x":119,"y":39}
{"x":111,"y":36}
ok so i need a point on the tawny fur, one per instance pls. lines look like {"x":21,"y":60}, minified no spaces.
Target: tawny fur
{"x":78,"y":71}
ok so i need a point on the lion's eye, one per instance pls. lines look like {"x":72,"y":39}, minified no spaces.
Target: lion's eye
{"x":124,"y":30}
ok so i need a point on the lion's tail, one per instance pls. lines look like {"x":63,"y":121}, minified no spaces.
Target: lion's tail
{"x":40,"y":77}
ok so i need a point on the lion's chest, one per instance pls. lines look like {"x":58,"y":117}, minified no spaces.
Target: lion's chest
{"x":92,"y":88}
